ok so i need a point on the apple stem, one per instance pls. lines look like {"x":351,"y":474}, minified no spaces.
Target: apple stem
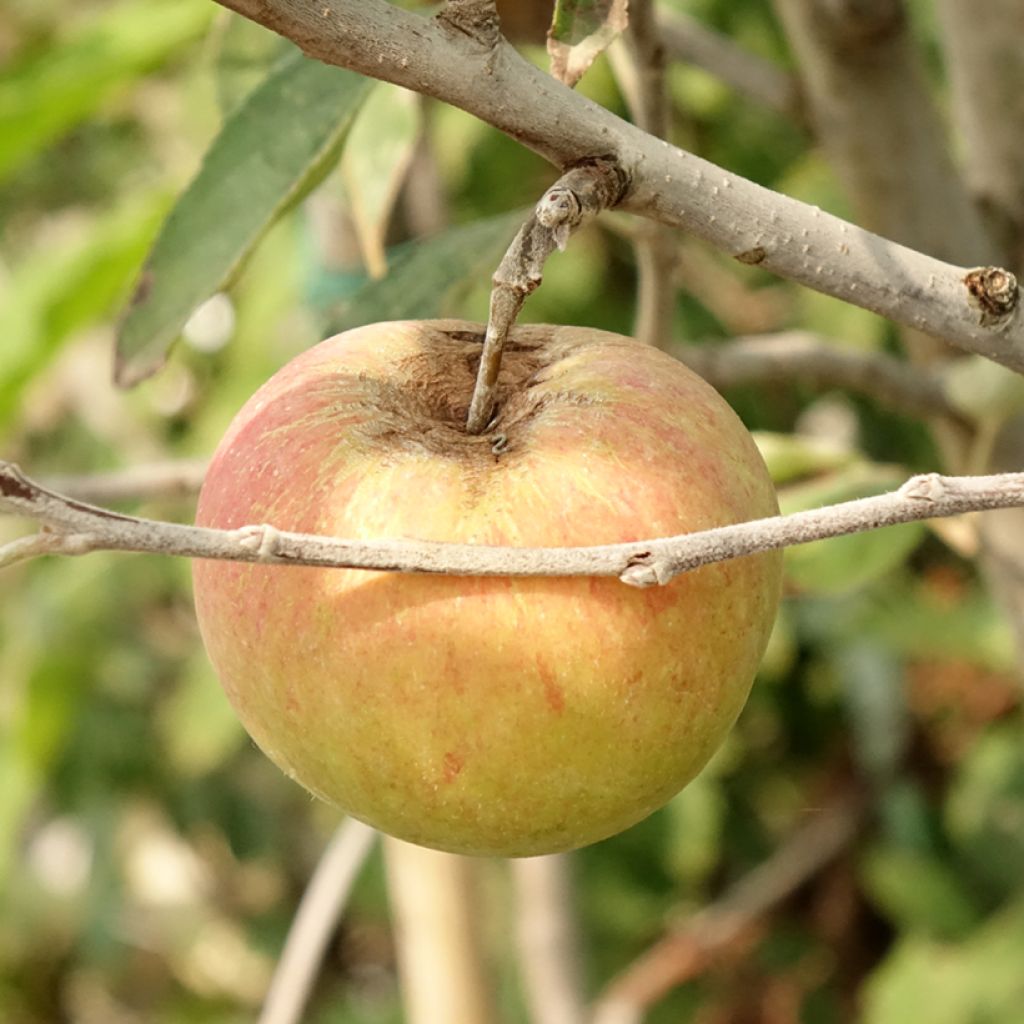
{"x":579,"y":194}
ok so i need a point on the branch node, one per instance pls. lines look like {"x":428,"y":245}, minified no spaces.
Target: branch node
{"x":929,"y":487}
{"x":263,"y":539}
{"x":477,"y":19}
{"x":994,"y":292}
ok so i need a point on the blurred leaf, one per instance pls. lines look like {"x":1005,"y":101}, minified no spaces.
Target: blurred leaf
{"x":580,"y":31}
{"x":845,"y":563}
{"x":790,"y":457}
{"x":50,"y":92}
{"x":696,"y":819}
{"x":243,"y":53}
{"x":198,"y":726}
{"x":979,"y":980}
{"x":422,"y":275}
{"x":56,"y":291}
{"x":985,"y":810}
{"x":913,"y":621}
{"x":918,"y":892}
{"x":374,"y":163}
{"x":269,"y":153}
{"x":983,"y":390}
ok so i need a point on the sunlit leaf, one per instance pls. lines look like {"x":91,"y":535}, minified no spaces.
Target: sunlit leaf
{"x":274,"y":147}
{"x":374,"y":163}
{"x":580,"y":32}
{"x":50,"y":92}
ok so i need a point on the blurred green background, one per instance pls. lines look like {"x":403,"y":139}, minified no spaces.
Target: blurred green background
{"x":150,"y":858}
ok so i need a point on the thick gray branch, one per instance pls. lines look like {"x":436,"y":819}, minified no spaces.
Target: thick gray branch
{"x":668,"y":185}
{"x":74,"y":528}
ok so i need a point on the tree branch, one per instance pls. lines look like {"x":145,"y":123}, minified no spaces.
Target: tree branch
{"x":801,"y":357}
{"x":666,"y":184}
{"x":577,"y":195}
{"x":548,"y":941}
{"x":75,"y":528}
{"x":321,"y":905}
{"x":687,"y":952}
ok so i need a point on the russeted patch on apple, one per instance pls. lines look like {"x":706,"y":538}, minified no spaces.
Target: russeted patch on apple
{"x":496,"y":716}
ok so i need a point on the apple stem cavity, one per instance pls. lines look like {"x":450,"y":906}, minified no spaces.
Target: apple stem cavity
{"x":579,"y":194}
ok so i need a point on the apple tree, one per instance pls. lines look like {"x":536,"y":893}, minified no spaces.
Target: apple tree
{"x":817,"y":205}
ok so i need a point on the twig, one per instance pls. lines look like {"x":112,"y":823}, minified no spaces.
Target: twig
{"x":79,"y":528}
{"x":666,"y":184}
{"x":802,"y":357}
{"x":638,"y":59}
{"x":322,"y":904}
{"x":435,"y":907}
{"x":580,"y":193}
{"x":752,"y":76}
{"x":687,"y":952}
{"x":172,"y":479}
{"x":547,"y":940}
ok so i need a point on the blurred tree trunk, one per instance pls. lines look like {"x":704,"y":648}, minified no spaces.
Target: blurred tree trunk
{"x":877,"y":120}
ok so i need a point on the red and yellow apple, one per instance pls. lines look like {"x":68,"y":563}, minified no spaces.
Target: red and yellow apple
{"x":504,"y":716}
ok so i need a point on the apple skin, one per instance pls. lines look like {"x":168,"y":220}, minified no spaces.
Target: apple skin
{"x":490,"y":716}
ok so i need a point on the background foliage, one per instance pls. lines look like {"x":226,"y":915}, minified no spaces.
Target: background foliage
{"x":150,"y":858}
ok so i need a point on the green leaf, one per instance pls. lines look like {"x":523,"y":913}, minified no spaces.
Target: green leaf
{"x":979,"y":980}
{"x":918,"y":892}
{"x":793,"y":456}
{"x":374,"y":163}
{"x":985,"y":810}
{"x":243,"y":54}
{"x":55,"y":292}
{"x":580,"y":32}
{"x":845,"y":563}
{"x":50,"y":92}
{"x":275,"y":147}
{"x":424,"y":274}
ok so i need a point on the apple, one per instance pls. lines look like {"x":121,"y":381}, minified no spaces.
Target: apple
{"x":492,"y":716}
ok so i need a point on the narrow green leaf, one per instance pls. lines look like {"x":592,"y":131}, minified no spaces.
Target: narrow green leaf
{"x":374,"y":163}
{"x":275,"y":146}
{"x":47,"y":94}
{"x":423,"y":274}
{"x":580,"y":32}
{"x":242,"y":54}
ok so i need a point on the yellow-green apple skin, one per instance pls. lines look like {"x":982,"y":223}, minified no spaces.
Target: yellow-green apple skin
{"x":492,"y":716}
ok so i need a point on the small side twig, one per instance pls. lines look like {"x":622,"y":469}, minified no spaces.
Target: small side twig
{"x":172,"y":479}
{"x":76,"y":528}
{"x":321,"y":905}
{"x":685,"y":953}
{"x":580,"y":193}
